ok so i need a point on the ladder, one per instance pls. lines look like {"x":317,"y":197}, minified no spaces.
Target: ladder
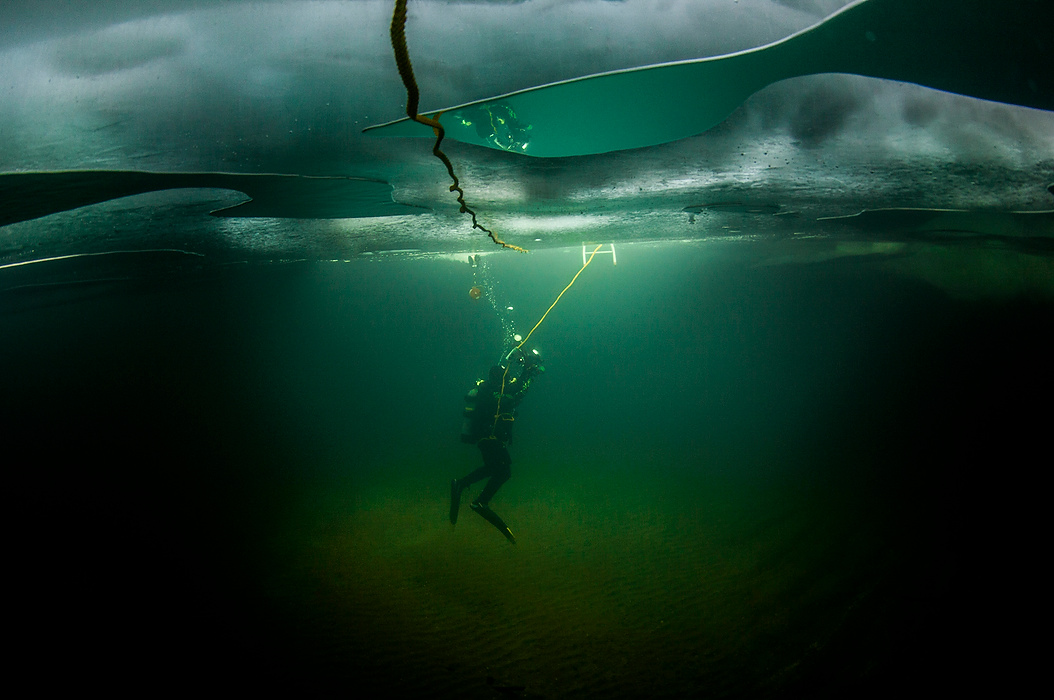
{"x":614,"y":260}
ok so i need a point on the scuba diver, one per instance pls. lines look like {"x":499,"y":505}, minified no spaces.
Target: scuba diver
{"x":489,"y":414}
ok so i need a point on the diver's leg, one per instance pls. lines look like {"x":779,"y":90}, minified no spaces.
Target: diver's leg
{"x":502,"y":473}
{"x":497,"y":464}
{"x":481,"y":473}
{"x":459,"y":485}
{"x":502,"y":466}
{"x":496,"y":456}
{"x":490,"y":449}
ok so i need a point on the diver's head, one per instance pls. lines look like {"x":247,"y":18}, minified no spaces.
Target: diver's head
{"x":531,"y":357}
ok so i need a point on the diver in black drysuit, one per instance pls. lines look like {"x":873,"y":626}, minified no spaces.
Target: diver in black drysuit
{"x":490,"y":427}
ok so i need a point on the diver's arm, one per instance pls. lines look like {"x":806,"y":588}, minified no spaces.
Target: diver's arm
{"x":516,"y":390}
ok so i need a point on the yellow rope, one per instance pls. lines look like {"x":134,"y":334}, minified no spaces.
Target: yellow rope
{"x":522,"y":342}
{"x":497,"y":414}
{"x":397,"y":32}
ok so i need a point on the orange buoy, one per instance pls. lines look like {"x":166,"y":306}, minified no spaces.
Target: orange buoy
{"x":475,"y":292}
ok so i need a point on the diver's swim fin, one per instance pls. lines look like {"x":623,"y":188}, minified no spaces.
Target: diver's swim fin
{"x":455,"y":500}
{"x":492,"y":518}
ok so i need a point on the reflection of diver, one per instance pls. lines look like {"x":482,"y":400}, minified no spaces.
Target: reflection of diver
{"x":501,"y":127}
{"x":489,"y":416}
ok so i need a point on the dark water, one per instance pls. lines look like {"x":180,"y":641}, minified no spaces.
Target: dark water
{"x":812,"y":480}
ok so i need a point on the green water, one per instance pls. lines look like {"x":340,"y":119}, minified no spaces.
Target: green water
{"x":732,"y":481}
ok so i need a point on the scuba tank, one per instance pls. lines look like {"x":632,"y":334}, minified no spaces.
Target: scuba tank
{"x":468,"y":435}
{"x":475,"y":427}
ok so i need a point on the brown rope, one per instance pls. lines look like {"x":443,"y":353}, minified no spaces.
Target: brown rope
{"x":413,"y":99}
